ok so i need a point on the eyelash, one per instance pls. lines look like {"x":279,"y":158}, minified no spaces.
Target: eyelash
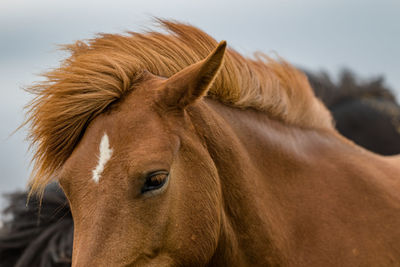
{"x":155,"y":181}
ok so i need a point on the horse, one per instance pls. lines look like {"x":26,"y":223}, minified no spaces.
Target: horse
{"x":174,"y":150}
{"x":349,"y":101}
{"x":28,"y":240}
{"x":365,"y":112}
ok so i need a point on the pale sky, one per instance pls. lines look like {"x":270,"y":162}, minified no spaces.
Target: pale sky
{"x":362,"y":35}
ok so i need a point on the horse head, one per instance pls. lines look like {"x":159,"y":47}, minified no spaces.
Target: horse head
{"x":142,"y":187}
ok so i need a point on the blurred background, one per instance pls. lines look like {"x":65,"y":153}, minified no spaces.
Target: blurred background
{"x":362,"y":35}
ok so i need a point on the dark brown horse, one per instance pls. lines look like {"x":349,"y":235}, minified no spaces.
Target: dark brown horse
{"x":27,"y":239}
{"x":254,"y":174}
{"x":366,"y":112}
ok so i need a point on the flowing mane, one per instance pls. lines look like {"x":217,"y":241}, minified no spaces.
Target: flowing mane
{"x":103,"y":70}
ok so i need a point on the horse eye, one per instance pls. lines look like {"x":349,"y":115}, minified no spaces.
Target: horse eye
{"x":155,"y":180}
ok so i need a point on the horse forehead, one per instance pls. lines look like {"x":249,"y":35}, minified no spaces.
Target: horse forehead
{"x":131,"y":128}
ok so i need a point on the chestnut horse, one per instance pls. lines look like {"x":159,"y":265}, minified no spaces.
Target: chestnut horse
{"x":174,"y":154}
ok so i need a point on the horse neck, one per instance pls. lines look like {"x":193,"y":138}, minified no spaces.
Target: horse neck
{"x":275,"y":177}
{"x":243,"y":155}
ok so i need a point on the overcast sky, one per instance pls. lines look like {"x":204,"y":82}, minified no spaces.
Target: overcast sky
{"x":363,"y":35}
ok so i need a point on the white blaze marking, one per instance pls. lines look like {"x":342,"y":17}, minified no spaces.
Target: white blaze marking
{"x":105,"y":155}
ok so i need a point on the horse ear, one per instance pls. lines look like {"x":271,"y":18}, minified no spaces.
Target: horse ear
{"x":193,"y":82}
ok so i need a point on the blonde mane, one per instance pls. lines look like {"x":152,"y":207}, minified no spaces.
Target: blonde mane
{"x":101,"y":71}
